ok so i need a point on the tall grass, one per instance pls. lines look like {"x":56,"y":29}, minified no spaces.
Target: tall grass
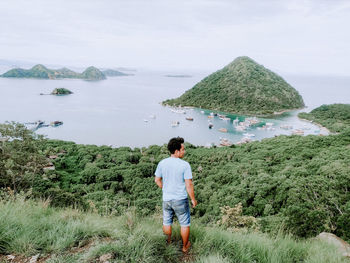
{"x":68,"y":235}
{"x":220,"y":246}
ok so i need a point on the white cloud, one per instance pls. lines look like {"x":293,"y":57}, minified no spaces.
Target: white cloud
{"x":293,"y":36}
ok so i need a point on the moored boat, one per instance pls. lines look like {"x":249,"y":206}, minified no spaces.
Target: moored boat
{"x":223,"y":130}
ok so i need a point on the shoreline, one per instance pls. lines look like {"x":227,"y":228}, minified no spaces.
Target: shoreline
{"x":284,"y":111}
{"x":319,"y":125}
{"x":274,"y":114}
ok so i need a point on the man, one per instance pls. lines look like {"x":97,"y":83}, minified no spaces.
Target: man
{"x":174,"y":176}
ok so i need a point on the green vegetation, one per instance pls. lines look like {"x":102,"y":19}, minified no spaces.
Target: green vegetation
{"x":67,"y":235}
{"x":335,"y":117}
{"x":296,"y":183}
{"x":253,"y":199}
{"x":114,"y":73}
{"x":92,"y":73}
{"x":41,"y":72}
{"x":61,"y":91}
{"x":243,"y":87}
{"x":20,"y":158}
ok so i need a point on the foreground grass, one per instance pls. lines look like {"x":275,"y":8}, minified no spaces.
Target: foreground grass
{"x":66,"y":235}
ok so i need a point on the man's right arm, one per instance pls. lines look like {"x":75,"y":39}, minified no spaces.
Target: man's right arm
{"x":159,"y":182}
{"x":190,"y":191}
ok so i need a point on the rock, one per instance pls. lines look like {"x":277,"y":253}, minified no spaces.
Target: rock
{"x":343,"y":247}
{"x":10,"y":257}
{"x":34,"y":259}
{"x":104,"y":258}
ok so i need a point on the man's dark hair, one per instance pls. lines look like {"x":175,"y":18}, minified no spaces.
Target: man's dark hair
{"x":175,"y":144}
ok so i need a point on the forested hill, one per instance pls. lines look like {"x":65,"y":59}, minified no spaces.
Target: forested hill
{"x":41,"y":72}
{"x":243,"y":87}
{"x":335,"y":117}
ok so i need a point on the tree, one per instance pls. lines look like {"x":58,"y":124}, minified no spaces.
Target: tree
{"x":20,"y":157}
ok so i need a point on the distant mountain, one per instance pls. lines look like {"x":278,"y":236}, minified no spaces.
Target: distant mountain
{"x":41,"y":72}
{"x":92,"y":73}
{"x":242,"y":87}
{"x":178,"y":76}
{"x":114,"y":73}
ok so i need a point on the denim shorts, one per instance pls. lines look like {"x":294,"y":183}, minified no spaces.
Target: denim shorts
{"x":180,"y":208}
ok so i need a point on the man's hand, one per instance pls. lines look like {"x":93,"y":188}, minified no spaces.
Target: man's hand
{"x":194,"y":203}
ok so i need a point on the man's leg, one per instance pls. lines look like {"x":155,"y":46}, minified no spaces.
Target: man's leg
{"x":167,"y":232}
{"x":185,"y":234}
{"x":168,"y":215}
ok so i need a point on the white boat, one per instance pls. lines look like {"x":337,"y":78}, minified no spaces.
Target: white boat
{"x":240,"y":128}
{"x":223,"y":130}
{"x":252,"y":120}
{"x":175,"y":123}
{"x":286,"y":127}
{"x":225,"y":142}
{"x":305,"y":128}
{"x":298,"y":132}
{"x":244,"y":140}
{"x":202,"y":111}
{"x":145,"y":120}
{"x":153,"y":116}
{"x":179,"y":110}
{"x":248,"y":135}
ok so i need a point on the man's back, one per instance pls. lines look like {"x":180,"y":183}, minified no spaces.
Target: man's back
{"x":173,"y":172}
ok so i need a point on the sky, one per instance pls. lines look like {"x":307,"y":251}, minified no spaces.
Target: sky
{"x":294,"y":36}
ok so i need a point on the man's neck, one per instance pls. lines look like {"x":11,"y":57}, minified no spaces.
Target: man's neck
{"x":174,"y":156}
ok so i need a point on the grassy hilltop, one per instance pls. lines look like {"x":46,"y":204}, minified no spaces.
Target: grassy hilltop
{"x":41,"y":72}
{"x":31,"y":228}
{"x":242,"y":87}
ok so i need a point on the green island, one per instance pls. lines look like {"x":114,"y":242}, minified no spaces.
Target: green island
{"x":61,"y":91}
{"x":41,"y":72}
{"x":335,"y":117}
{"x":242,"y":87}
{"x":258,"y":202}
{"x":114,"y":73}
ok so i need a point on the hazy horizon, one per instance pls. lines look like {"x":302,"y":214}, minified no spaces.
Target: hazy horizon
{"x":298,"y":37}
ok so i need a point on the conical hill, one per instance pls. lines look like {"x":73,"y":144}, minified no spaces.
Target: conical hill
{"x":242,"y":87}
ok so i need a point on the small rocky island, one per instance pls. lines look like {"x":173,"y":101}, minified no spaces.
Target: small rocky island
{"x":242,"y":87}
{"x":41,"y":72}
{"x":61,"y":91}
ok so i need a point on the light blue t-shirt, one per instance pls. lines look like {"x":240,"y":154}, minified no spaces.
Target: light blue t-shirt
{"x":173,"y":172}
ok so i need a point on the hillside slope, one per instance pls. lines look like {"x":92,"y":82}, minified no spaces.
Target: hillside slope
{"x":242,"y":87}
{"x":30,"y":228}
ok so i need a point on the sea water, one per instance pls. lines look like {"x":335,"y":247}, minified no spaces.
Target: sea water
{"x":127,"y":111}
